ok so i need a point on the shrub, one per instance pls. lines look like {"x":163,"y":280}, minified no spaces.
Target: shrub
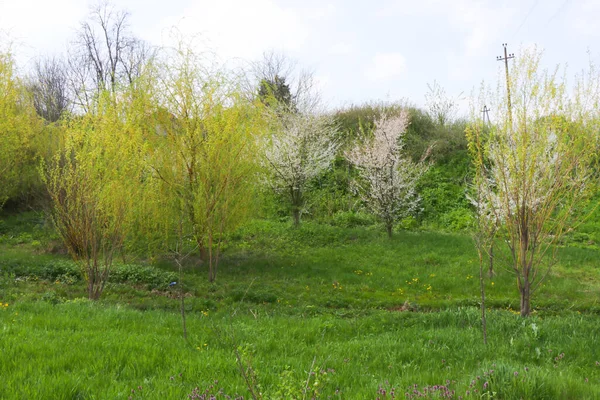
{"x":153,"y":277}
{"x":68,"y":272}
{"x":352,"y":219}
{"x":459,"y":219}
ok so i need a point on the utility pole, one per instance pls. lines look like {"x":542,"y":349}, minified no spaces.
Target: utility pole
{"x":507,"y":57}
{"x":486,"y":114}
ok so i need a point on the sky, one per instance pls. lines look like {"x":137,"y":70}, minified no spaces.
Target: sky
{"x":358,"y":51}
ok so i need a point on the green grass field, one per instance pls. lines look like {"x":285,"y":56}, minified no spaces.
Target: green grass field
{"x":319,"y":312}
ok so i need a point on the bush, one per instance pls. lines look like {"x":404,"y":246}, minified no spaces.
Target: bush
{"x":459,"y":219}
{"x":68,"y":272}
{"x":52,"y":298}
{"x":442,"y":191}
{"x":352,"y":219}
{"x":408,"y":223}
{"x":62,"y":270}
{"x":153,"y":277}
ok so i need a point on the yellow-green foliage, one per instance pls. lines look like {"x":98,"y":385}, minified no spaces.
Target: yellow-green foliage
{"x":534,"y":166}
{"x":201,"y":155}
{"x":19,"y":133}
{"x":92,"y":182}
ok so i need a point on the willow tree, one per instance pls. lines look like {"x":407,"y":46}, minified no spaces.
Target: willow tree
{"x":92,"y":183}
{"x":387,"y":177}
{"x":534,"y":167}
{"x":18,"y":128}
{"x":204,"y":151}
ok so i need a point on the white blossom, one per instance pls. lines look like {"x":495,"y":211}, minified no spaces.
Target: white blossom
{"x":302,"y":149}
{"x":519,"y":178}
{"x":388,"y":178}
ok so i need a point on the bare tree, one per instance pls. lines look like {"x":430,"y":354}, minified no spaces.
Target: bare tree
{"x":134,"y":59}
{"x":278,"y":77}
{"x":440,"y":107}
{"x":49,"y":87}
{"x":105,"y":54}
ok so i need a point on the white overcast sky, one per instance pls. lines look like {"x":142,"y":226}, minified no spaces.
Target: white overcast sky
{"x":358,"y":50}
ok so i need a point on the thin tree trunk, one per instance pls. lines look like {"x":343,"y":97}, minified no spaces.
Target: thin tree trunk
{"x":211,"y":266}
{"x":211,"y":274}
{"x":525,"y":297}
{"x":491,"y":270}
{"x":182,"y":296}
{"x":525,"y":270}
{"x":389,"y":227}
{"x":92,"y":292}
{"x":179,"y":260}
{"x":296,"y":196}
{"x":203,"y":254}
{"x":482,"y":288}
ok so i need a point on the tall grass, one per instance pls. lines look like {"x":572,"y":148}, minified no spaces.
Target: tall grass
{"x":317,"y":311}
{"x":80,"y":349}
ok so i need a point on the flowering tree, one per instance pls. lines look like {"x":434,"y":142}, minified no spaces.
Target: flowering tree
{"x":387,"y":178}
{"x":533,"y":169}
{"x":302,"y":149}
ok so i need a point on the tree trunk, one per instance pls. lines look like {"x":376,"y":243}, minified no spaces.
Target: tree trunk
{"x":206,"y":257}
{"x":203,"y":254}
{"x":93,"y":292}
{"x":296,"y":196}
{"x":491,"y":270}
{"x":211,"y":274}
{"x":181,"y":295}
{"x":389,"y":227}
{"x":525,"y":297}
{"x":524,"y":269}
{"x":212,"y":266}
{"x":482,"y":289}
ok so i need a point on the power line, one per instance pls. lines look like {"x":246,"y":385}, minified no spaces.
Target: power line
{"x":526,"y":17}
{"x":558,"y":11}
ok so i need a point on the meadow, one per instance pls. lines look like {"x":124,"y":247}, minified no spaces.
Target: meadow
{"x":317,"y":311}
{"x":173,"y":225}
